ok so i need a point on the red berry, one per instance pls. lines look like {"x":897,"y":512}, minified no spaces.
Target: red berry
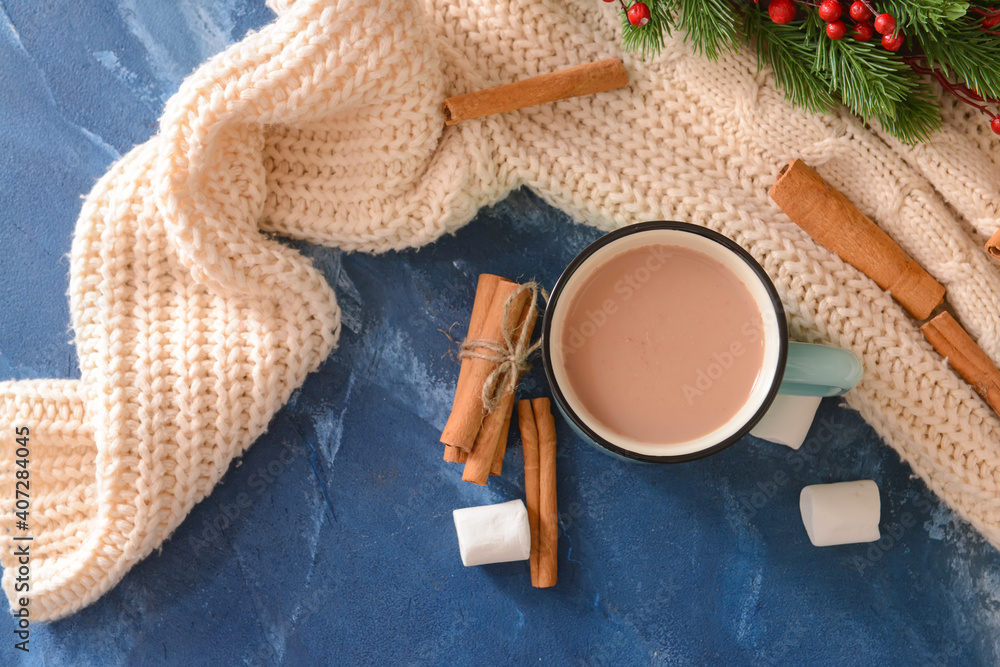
{"x":836,"y":30}
{"x":863,"y":32}
{"x":991,"y":21}
{"x":638,"y":14}
{"x":860,"y":11}
{"x":893,"y":42}
{"x":781,"y":11}
{"x":995,"y":124}
{"x":885,"y":24}
{"x":829,"y":10}
{"x":609,"y":0}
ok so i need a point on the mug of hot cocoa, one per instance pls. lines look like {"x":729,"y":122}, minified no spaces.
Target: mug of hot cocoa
{"x":666,"y":342}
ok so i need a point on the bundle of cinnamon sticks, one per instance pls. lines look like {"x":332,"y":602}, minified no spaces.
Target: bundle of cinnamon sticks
{"x":503,"y":316}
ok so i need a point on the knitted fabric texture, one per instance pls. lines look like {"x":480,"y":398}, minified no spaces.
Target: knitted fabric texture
{"x":193,"y":325}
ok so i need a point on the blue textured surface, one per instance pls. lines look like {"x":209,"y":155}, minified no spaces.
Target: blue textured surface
{"x":332,"y":540}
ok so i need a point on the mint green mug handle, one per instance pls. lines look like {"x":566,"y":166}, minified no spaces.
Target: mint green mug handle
{"x":819,"y":370}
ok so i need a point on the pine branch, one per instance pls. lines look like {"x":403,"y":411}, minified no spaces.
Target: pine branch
{"x":816,"y":72}
{"x":788,"y":50}
{"x":924,"y":12}
{"x":648,"y":39}
{"x":916,"y":116}
{"x":869,"y":79}
{"x":711,"y":25}
{"x":965,"y":51}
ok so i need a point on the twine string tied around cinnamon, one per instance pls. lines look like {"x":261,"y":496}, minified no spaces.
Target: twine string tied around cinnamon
{"x":510,"y":355}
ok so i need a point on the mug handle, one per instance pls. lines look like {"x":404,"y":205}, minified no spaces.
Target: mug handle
{"x":819,"y":370}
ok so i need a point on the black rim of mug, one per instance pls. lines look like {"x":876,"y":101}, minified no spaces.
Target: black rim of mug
{"x":638,"y":228}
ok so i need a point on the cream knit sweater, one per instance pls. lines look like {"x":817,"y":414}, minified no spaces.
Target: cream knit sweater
{"x":193,"y":326}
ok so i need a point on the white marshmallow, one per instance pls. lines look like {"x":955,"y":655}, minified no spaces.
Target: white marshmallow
{"x":493,"y":533}
{"x":841,"y":513}
{"x":788,"y":419}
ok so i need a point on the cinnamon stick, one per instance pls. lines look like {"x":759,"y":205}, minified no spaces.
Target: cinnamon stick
{"x":455,"y":455}
{"x":993,"y":245}
{"x":836,"y":224}
{"x":529,"y":445}
{"x":467,"y":411}
{"x":586,"y":79}
{"x":965,"y":356}
{"x":485,"y":288}
{"x":480,"y":463}
{"x":548,"y":511}
{"x":497,"y":466}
